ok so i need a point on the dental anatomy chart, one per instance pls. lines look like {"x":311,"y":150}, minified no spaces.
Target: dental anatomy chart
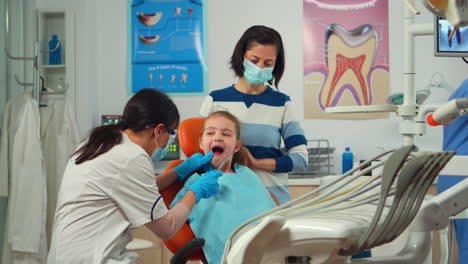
{"x":167,"y":46}
{"x":346,"y":56}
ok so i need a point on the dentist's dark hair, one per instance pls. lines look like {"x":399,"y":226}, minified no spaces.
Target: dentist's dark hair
{"x":146,"y":109}
{"x":264,"y":36}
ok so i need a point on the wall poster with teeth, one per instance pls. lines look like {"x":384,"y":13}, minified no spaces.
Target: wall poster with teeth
{"x":346,"y":56}
{"x":166,"y":49}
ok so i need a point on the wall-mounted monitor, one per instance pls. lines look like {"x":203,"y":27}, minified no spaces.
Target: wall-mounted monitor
{"x":455,"y":47}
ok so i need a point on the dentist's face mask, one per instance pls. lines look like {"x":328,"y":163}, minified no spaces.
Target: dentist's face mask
{"x":160,"y":153}
{"x":254,"y":74}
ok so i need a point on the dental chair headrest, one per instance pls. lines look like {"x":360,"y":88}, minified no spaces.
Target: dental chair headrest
{"x":189,"y":133}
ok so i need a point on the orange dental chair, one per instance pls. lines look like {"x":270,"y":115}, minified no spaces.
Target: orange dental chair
{"x":184,"y":244}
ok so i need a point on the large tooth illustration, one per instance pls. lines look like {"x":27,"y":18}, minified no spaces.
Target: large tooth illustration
{"x":149,"y":19}
{"x":349,"y":55}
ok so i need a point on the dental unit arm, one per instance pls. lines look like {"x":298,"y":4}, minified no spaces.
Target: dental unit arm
{"x":448,"y":112}
{"x":433,"y":115}
{"x":435,"y":214}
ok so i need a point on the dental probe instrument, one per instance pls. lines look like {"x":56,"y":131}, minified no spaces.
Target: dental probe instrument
{"x":332,"y":193}
{"x":224,"y":161}
{"x":330,"y":202}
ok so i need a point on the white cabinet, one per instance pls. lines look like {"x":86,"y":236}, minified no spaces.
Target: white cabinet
{"x":53,"y":75}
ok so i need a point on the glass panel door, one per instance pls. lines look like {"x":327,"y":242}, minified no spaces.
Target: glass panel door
{"x":4,"y":95}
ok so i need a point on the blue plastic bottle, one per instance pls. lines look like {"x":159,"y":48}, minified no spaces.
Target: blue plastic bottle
{"x":55,"y":57}
{"x":347,"y":159}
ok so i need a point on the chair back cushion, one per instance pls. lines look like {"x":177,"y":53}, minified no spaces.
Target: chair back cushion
{"x":189,"y":133}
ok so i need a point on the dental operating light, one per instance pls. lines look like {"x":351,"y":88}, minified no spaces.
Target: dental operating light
{"x":456,"y":11}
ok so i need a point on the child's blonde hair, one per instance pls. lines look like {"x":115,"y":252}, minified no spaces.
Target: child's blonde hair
{"x":240,"y":157}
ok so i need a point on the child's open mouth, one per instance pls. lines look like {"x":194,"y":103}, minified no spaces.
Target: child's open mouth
{"x":217,"y":150}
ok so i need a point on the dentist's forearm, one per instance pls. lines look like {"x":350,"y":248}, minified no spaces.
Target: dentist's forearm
{"x":165,"y":227}
{"x":166,"y":178}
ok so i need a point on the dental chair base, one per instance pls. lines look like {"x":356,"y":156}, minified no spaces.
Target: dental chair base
{"x":319,"y":236}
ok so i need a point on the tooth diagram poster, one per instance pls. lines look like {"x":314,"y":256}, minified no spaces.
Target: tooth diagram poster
{"x":166,"y":46}
{"x":346,"y":56}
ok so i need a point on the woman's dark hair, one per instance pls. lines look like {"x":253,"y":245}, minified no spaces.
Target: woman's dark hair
{"x":259,"y":35}
{"x":147,"y":108}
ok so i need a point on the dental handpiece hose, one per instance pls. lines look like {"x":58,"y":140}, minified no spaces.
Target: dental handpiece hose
{"x":448,"y":112}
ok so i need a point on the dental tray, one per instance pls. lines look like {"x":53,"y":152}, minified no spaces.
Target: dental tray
{"x":320,"y":155}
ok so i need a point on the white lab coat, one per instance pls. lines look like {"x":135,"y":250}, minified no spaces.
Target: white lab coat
{"x":59,"y":134}
{"x":25,"y":240}
{"x":10,"y":126}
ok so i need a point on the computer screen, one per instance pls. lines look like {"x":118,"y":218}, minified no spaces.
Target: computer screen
{"x":110,"y":119}
{"x":457,"y":46}
{"x":173,"y":150}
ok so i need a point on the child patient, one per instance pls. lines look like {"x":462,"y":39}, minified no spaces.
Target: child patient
{"x":241,"y":194}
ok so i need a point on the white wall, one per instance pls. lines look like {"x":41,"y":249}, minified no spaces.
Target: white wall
{"x":101,"y":70}
{"x":86,"y":38}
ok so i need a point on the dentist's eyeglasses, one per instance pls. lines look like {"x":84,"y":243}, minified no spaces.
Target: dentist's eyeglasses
{"x":171,"y":132}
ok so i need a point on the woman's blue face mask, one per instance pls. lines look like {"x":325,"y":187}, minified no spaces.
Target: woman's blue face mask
{"x":256,"y":75}
{"x":160,"y":153}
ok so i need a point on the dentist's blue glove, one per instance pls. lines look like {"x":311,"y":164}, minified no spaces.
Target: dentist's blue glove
{"x":192,"y":164}
{"x":207,"y":185}
{"x":206,"y":168}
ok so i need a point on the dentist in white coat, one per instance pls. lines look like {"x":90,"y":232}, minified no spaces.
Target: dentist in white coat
{"x":109,"y":185}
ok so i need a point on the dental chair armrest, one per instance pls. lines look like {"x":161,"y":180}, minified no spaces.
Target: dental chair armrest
{"x":185,"y":252}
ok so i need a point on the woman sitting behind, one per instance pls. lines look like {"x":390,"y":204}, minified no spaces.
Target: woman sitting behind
{"x":241,"y":196}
